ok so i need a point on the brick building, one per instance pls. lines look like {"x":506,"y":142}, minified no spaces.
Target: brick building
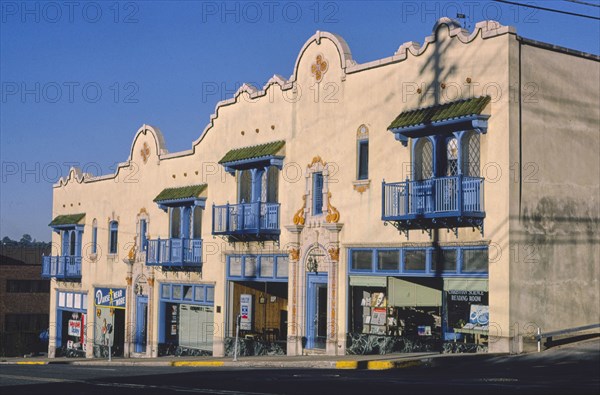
{"x":24,"y":299}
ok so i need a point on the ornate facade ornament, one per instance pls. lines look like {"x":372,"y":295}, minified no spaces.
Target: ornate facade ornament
{"x":294,"y":254}
{"x":128,"y":279}
{"x":299,"y":216}
{"x":145,"y":151}
{"x":131,"y":254}
{"x":319,"y":68}
{"x":151,"y":281}
{"x":361,"y":187}
{"x":334,"y":253}
{"x":317,"y":159}
{"x":333,"y":215}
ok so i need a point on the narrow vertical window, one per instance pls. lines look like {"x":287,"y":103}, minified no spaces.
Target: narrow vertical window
{"x":451,"y":157}
{"x":363,"y":160}
{"x":113,"y":237}
{"x":94,"y":236}
{"x":423,"y":159}
{"x":470,"y":154}
{"x":317,"y":193}
{"x":244,"y":186}
{"x":197,"y":223}
{"x":272,"y":184}
{"x":72,"y":243}
{"x":175,"y":222}
{"x":143,"y":234}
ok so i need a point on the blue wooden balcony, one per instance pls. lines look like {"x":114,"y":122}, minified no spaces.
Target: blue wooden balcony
{"x":439,"y":202}
{"x":174,"y":253}
{"x":256,"y":221}
{"x":61,"y":267}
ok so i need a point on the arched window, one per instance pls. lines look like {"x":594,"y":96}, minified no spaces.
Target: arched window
{"x":423,"y":161}
{"x":94,"y":236}
{"x":113,"y":237}
{"x":244,"y":186}
{"x":451,"y":156}
{"x":470,"y":154}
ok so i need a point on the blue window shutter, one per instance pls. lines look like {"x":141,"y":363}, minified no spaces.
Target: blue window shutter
{"x":317,"y":193}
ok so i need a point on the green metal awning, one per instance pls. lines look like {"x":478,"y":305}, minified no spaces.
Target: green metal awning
{"x":180,"y":193}
{"x":442,"y":118}
{"x":253,"y":152}
{"x":67,"y":220}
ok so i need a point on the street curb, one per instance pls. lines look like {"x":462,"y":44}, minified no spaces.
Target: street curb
{"x":198,"y":363}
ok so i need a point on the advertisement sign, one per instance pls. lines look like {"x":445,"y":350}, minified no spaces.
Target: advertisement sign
{"x":110,"y":297}
{"x":74,"y":328}
{"x":246,"y":312}
{"x":480,"y":315}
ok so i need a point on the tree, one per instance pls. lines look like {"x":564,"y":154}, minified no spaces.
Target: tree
{"x":26,"y":239}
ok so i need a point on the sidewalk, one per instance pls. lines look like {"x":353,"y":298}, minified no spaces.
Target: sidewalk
{"x":370,"y":362}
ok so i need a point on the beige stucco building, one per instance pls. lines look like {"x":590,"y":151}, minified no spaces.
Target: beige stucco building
{"x":443,"y":198}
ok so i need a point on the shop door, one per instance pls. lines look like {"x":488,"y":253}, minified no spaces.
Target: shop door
{"x":316,"y":314}
{"x":141,"y":323}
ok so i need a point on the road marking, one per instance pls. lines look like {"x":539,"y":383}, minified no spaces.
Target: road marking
{"x":30,"y":378}
{"x":346,"y":365}
{"x":32,"y":363}
{"x":380,"y":365}
{"x":198,"y":363}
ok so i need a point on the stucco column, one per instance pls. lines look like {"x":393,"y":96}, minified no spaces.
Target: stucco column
{"x":151,"y":344}
{"x":294,"y":339}
{"x":333,"y":250}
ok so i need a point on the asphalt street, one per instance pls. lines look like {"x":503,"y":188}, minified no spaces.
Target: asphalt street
{"x":574,"y":370}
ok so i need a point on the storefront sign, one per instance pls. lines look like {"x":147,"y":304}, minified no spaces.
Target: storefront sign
{"x":110,"y":297}
{"x":246,"y":312}
{"x":466,"y":296}
{"x":74,"y":328}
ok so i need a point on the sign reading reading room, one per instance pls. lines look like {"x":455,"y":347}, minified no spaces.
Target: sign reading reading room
{"x":110,"y":297}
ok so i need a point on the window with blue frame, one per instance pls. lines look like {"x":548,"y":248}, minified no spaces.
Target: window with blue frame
{"x":446,"y":155}
{"x":317,"y":193}
{"x":258,"y":267}
{"x":94,"y":236}
{"x":113,"y":237}
{"x":244,"y":186}
{"x":363,"y":160}
{"x":468,"y":261}
{"x":143,"y":234}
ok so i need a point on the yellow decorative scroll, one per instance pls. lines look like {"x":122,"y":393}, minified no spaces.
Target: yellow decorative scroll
{"x":333,"y":215}
{"x":299,"y":216}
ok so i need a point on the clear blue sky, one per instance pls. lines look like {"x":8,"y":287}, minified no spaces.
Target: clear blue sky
{"x":79,"y":78}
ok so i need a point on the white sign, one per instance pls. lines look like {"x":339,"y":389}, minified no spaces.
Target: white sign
{"x":246,"y":312}
{"x":74,"y":328}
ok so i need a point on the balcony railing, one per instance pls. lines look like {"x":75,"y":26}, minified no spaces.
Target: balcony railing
{"x":67,"y":267}
{"x":174,"y":252}
{"x":440,"y":197}
{"x":247,"y":221}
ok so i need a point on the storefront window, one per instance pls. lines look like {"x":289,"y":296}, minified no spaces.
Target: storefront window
{"x":250,"y":266}
{"x":235,"y":266}
{"x":282,"y":267}
{"x":475,"y":261}
{"x":415,"y":260}
{"x":266,"y":266}
{"x":165,"y":291}
{"x":388,"y":259}
{"x":444,"y":260}
{"x":188,"y":291}
{"x":177,"y":292}
{"x":362,"y":260}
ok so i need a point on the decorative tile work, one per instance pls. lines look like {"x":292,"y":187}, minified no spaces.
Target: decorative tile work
{"x":319,"y":68}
